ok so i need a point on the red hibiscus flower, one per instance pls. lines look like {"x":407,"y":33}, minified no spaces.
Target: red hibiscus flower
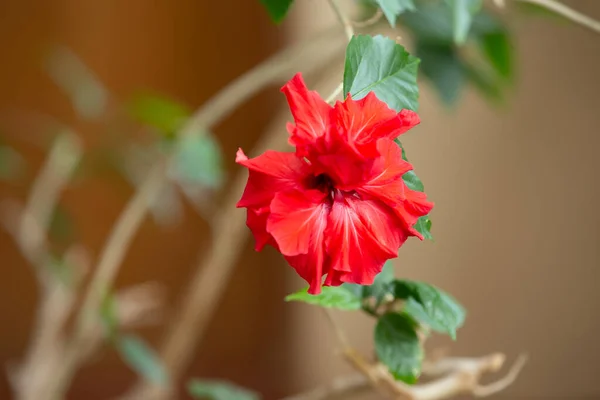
{"x":338,"y":206}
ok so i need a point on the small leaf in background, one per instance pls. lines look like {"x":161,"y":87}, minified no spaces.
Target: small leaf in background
{"x":62,"y":229}
{"x":198,"y":161}
{"x":382,"y":284}
{"x":219,"y":390}
{"x":397,"y":346}
{"x":431,"y":23}
{"x":162,"y":113}
{"x":108,"y":315}
{"x":330,"y":296}
{"x":12,"y":163}
{"x":431,"y":306}
{"x":142,"y":359}
{"x":488,"y":85}
{"x":379,"y":64}
{"x":441,"y":65}
{"x":498,"y":50}
{"x":88,"y":96}
{"x":277,"y":9}
{"x":462,"y":17}
{"x":393,"y":8}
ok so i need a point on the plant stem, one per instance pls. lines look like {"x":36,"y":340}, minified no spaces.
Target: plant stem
{"x":567,"y":12}
{"x":346,"y":23}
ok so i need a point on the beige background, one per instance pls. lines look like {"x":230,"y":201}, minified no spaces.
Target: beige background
{"x":516,"y":222}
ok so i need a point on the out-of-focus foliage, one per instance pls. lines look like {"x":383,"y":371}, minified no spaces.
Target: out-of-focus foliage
{"x":219,"y":390}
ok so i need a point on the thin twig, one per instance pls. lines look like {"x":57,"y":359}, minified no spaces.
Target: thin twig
{"x":338,"y":90}
{"x":567,"y":12}
{"x":369,"y":21}
{"x":341,"y":16}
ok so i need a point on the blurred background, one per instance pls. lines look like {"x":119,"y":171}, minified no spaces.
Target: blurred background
{"x":516,"y":222}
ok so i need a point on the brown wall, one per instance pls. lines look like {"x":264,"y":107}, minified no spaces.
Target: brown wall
{"x":516,"y":221}
{"x":187,"y":50}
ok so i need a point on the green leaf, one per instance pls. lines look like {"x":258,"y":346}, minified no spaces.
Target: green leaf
{"x":441,"y":64}
{"x":423,"y":226}
{"x":498,"y":50}
{"x":198,"y":161}
{"x":392,"y":8}
{"x":382,"y":284}
{"x":108,"y":315}
{"x":431,"y":23}
{"x":431,"y":306}
{"x":142,"y":359}
{"x":397,"y":346}
{"x":485,"y":83}
{"x":219,"y":390}
{"x":462,"y":17}
{"x":381,"y":65}
{"x":277,"y":9}
{"x":330,"y":296}
{"x":160,"y":112}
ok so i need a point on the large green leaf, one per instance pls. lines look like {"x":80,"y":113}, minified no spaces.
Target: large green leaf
{"x":431,"y":306}
{"x":219,"y":390}
{"x":397,"y":346}
{"x":277,"y":9}
{"x":330,"y":296}
{"x":393,"y":8}
{"x":379,"y":64}
{"x":142,"y":359}
{"x":462,"y":17}
{"x":441,"y":64}
{"x":431,"y":23}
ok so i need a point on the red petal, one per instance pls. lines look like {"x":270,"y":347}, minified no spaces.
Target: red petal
{"x":270,"y":172}
{"x":256,"y":220}
{"x":297,"y":223}
{"x":385,"y":180}
{"x":310,"y":111}
{"x":412,"y":208}
{"x":364,"y":121}
{"x":362,"y":235}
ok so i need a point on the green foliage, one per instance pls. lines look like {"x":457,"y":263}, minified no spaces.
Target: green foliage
{"x":393,"y":8}
{"x":381,"y":285}
{"x":330,"y":297}
{"x":430,"y":306}
{"x":462,"y":17}
{"x":12,"y":164}
{"x":423,"y":226}
{"x":441,"y":64}
{"x":198,"y":161}
{"x":142,"y":359}
{"x":397,"y":346}
{"x":277,"y":9}
{"x":381,"y":65}
{"x":219,"y":390}
{"x":484,"y":59}
{"x":164,"y":114}
{"x":108,"y":316}
{"x":412,"y":181}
